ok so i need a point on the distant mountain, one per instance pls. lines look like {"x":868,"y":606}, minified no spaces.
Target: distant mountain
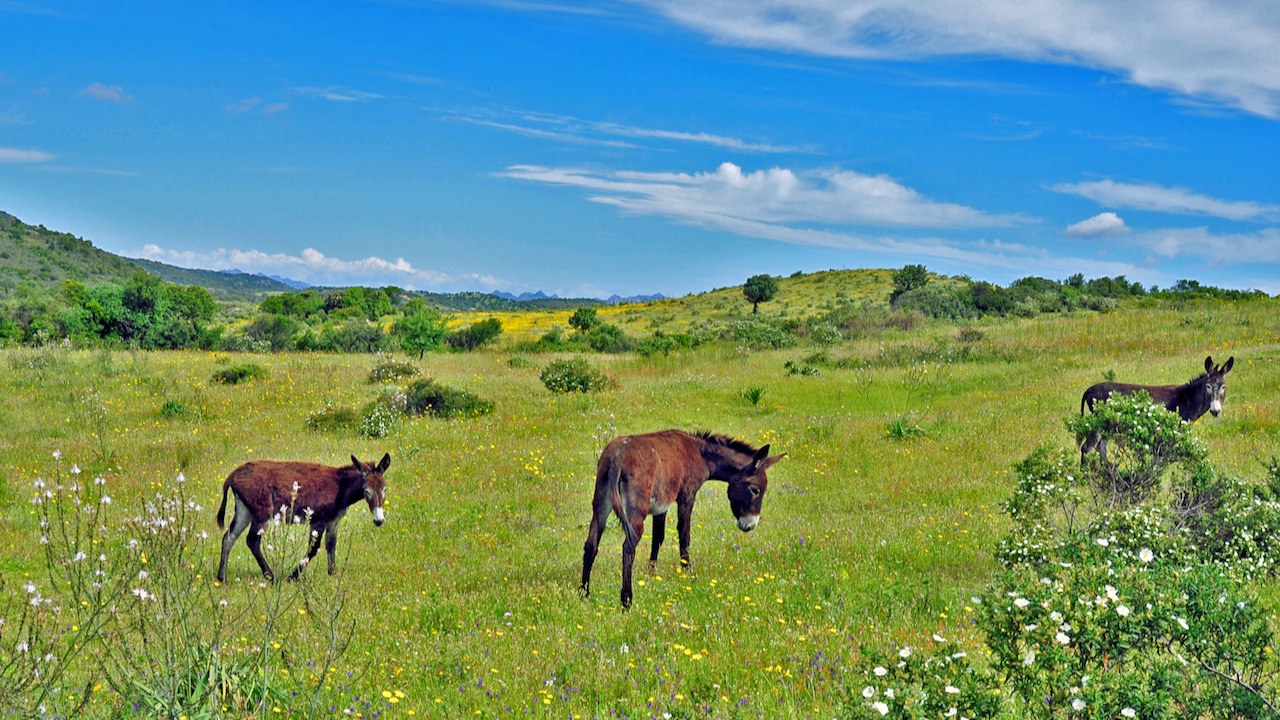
{"x":227,"y":285}
{"x":618,"y":300}
{"x":533,"y":297}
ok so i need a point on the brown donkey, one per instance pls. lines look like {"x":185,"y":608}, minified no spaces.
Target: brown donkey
{"x":642,"y":475}
{"x":299,"y":492}
{"x":1205,"y":393}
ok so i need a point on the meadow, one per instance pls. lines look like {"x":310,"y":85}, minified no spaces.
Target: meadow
{"x":877,"y":529}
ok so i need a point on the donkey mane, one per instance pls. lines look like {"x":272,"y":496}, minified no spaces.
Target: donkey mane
{"x":732,"y":443}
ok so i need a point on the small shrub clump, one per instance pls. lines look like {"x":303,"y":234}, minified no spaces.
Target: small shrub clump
{"x":428,"y":397}
{"x":237,"y":374}
{"x":575,"y":375}
{"x":379,"y":417}
{"x":333,"y":418}
{"x":391,"y":370}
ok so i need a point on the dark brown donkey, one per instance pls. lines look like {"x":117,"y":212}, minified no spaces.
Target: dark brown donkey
{"x":1205,"y":393}
{"x":298,"y":492}
{"x":642,"y":475}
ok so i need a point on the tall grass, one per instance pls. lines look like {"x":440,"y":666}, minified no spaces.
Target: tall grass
{"x":465,"y":601}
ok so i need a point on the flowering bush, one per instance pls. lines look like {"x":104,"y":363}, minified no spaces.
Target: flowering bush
{"x":575,"y":375}
{"x":1124,"y":588}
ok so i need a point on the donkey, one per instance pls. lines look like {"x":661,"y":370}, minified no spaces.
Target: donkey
{"x":641,"y":475}
{"x":300,"y":491}
{"x":1205,"y":393}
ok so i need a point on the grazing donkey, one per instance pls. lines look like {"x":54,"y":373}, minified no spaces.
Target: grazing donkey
{"x":1205,"y":393}
{"x":301,"y":492}
{"x":641,"y":475}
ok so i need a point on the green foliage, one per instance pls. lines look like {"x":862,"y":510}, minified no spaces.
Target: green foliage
{"x":573,"y":375}
{"x":392,"y":370}
{"x":760,"y":334}
{"x":475,"y":335}
{"x":428,"y":397}
{"x":237,"y":374}
{"x":758,"y":289}
{"x":421,"y":331}
{"x":334,"y":418}
{"x":380,"y":416}
{"x":938,"y":301}
{"x":584,"y":319}
{"x":606,"y":338}
{"x":1120,"y":591}
{"x":753,"y":394}
{"x":910,"y":277}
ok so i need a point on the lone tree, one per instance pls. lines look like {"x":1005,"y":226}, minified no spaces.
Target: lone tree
{"x":758,"y":289}
{"x":910,"y":277}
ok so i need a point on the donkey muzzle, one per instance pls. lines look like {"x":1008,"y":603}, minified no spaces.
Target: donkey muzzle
{"x":747,"y":523}
{"x":378,"y":517}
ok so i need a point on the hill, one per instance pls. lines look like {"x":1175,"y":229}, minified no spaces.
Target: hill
{"x":41,"y":258}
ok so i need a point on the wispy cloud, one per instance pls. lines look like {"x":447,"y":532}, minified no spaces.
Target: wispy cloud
{"x":778,"y":196}
{"x":562,"y":128}
{"x":256,"y":105}
{"x":1216,"y":51}
{"x":1173,"y":200}
{"x":314,"y":267}
{"x":337,"y":94}
{"x":1215,"y":248}
{"x":1100,"y":225}
{"x":18,"y":155}
{"x":109,"y":93}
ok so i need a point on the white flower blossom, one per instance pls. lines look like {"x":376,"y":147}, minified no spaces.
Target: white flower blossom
{"x":1145,"y":555}
{"x":1122,"y":611}
{"x":1078,"y":704}
{"x":1129,"y":712}
{"x":905,"y":652}
{"x":868,"y":692}
{"x":880,"y":708}
{"x":1022,"y":602}
{"x":880,"y":671}
{"x":1063,"y":638}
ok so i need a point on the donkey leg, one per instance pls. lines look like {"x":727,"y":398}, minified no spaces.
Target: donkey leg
{"x":316,"y":532}
{"x":239,"y":521}
{"x":600,"y":509}
{"x":659,"y":532}
{"x":684,"y":523}
{"x":629,"y":557}
{"x":254,"y":541}
{"x":331,"y":545}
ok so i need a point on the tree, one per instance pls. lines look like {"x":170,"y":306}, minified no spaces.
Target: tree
{"x":758,"y":289}
{"x":583,"y":319}
{"x":475,"y":335}
{"x":421,"y":330}
{"x":910,"y":277}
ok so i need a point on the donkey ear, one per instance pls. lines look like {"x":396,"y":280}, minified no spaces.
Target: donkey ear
{"x":356,"y":464}
{"x":1226,"y":366}
{"x":386,"y":463}
{"x":1208,"y":364}
{"x":769,"y":462}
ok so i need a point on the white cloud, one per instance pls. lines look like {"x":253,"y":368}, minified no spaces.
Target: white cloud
{"x":338,"y":94}
{"x":1216,"y":51}
{"x":16,"y":155}
{"x":110,"y":93}
{"x":1158,"y":198}
{"x":1100,"y":225}
{"x":776,"y":196}
{"x":590,"y":132}
{"x":316,"y":268}
{"x":1218,"y":249}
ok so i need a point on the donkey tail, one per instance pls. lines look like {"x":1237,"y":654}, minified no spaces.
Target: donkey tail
{"x":615,"y":484}
{"x":222,"y":509}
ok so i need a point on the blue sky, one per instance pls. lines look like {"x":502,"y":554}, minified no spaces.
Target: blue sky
{"x":651,"y":146}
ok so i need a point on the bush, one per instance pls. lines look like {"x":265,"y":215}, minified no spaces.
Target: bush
{"x":575,"y":375}
{"x":606,"y":338}
{"x":390,"y":370}
{"x":760,"y":334}
{"x":936,"y":301}
{"x":379,"y":417}
{"x":474,"y":335}
{"x":333,"y":418}
{"x":1123,"y":589}
{"x":428,"y":397}
{"x":237,"y":374}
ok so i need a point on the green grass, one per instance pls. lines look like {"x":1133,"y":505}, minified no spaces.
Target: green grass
{"x":466,"y":600}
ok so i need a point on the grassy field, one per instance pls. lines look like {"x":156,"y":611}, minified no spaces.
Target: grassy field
{"x":877,"y":528}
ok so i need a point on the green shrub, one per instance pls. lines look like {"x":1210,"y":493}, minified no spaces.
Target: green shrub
{"x":574,"y":375}
{"x":520,"y":362}
{"x":428,"y":397}
{"x":239,"y":373}
{"x":379,"y":416}
{"x":760,"y":334}
{"x":173,"y":409}
{"x":391,"y":370}
{"x":333,"y":418}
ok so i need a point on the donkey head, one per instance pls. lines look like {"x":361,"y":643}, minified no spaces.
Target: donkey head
{"x":1215,"y":385}
{"x":747,"y":488}
{"x":375,"y":485}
